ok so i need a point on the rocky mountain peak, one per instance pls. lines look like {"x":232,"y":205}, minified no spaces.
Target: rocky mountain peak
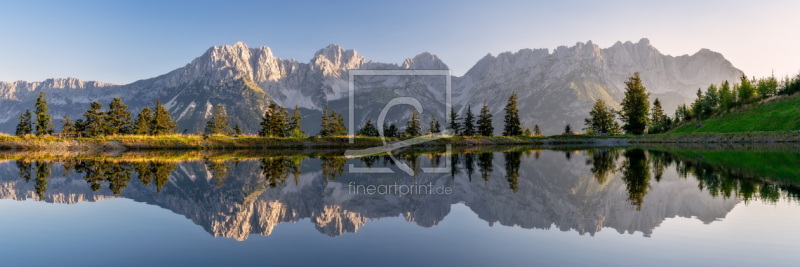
{"x":333,"y":60}
{"x":424,"y":61}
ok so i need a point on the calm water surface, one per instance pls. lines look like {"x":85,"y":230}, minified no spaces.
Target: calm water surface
{"x":506,"y":207}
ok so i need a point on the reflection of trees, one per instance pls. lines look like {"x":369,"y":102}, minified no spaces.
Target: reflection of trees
{"x":512,"y":162}
{"x":25,"y":170}
{"x":603,"y":163}
{"x":485,"y":165}
{"x":636,"y":174}
{"x":659,"y":163}
{"x":118,"y":175}
{"x":469,"y":165}
{"x":722,"y":182}
{"x":277,"y":168}
{"x":42,"y":173}
{"x":157,"y":171}
{"x":455,"y":159}
{"x":369,"y":161}
{"x":274,"y":170}
{"x":219,"y":170}
{"x":333,"y":166}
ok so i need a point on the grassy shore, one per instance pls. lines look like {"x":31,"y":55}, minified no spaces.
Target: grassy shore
{"x":194,"y":142}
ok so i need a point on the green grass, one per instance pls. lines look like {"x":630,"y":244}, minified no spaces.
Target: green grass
{"x":781,"y":115}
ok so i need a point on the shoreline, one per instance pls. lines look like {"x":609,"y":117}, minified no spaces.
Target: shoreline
{"x":222,"y":143}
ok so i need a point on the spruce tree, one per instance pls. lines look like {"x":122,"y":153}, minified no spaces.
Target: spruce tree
{"x":726,"y":96}
{"x":325,"y":124}
{"x":536,"y":131}
{"x":455,"y":125}
{"x":389,"y":130}
{"x":93,"y":125}
{"x":601,"y":119}
{"x":745,"y":90}
{"x":369,"y":129}
{"x":69,"y":126}
{"x":294,"y":129}
{"x":118,"y":119}
{"x":274,"y":124}
{"x":512,"y":125}
{"x":218,"y":124}
{"x":44,"y":124}
{"x":712,"y":99}
{"x":337,"y":126}
{"x":635,"y":106}
{"x":469,"y":123}
{"x":485,"y":127}
{"x":657,"y":117}
{"x":413,"y":127}
{"x":699,"y":105}
{"x":143,"y":121}
{"x":25,"y":125}
{"x":568,"y":129}
{"x":162,"y":123}
{"x":433,"y":126}
{"x":237,"y":131}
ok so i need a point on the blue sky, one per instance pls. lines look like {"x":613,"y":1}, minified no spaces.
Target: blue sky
{"x":123,"y":41}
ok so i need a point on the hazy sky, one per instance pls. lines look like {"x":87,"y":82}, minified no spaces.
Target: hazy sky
{"x":123,"y":41}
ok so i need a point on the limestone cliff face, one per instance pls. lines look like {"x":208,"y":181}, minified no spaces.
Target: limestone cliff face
{"x":552,"y":191}
{"x":554,"y":88}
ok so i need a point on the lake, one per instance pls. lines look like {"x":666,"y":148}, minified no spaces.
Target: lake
{"x":501,"y":206}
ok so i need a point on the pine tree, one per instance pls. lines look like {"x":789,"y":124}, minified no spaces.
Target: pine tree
{"x":44,"y":124}
{"x":657,"y":117}
{"x":568,"y":129}
{"x":162,"y":122}
{"x":601,"y":119}
{"x":143,"y":121}
{"x":293,"y":128}
{"x":413,"y":127}
{"x":455,"y":125}
{"x":390,"y":130}
{"x":69,"y":127}
{"x":218,"y":124}
{"x":726,"y":96}
{"x":635,"y":106}
{"x":485,"y":127}
{"x":699,"y":105}
{"x":512,"y":125}
{"x":745,"y":90}
{"x":527,"y":132}
{"x":118,"y":119}
{"x":274,"y":123}
{"x":767,"y":86}
{"x":328,"y":125}
{"x":25,"y":125}
{"x":369,"y":129}
{"x":237,"y":131}
{"x":433,"y":126}
{"x":536,"y":131}
{"x":338,"y":127}
{"x":712,"y":99}
{"x":93,"y":125}
{"x":469,"y":123}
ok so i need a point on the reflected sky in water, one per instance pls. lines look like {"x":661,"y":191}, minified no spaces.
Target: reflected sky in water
{"x":621,"y":207}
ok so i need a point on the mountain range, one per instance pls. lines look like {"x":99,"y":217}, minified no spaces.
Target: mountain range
{"x":555,"y":87}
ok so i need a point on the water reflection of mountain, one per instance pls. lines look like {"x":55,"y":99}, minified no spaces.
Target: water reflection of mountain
{"x":541,"y":189}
